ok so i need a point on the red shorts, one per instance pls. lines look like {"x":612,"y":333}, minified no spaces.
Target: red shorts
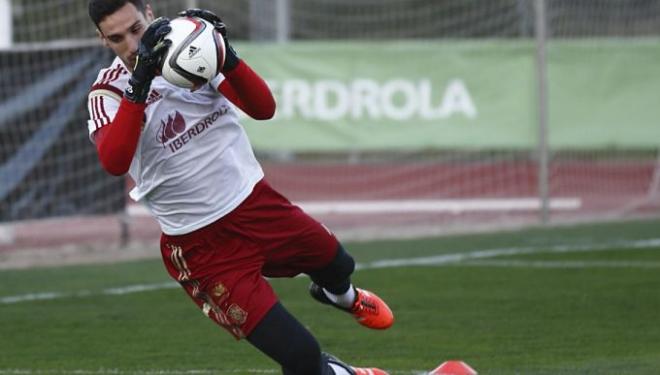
{"x":222,"y":266}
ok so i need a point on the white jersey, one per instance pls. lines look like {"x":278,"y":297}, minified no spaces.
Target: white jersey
{"x":194,"y":162}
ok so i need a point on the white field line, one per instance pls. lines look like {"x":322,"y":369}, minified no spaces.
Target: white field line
{"x":88,"y":293}
{"x":560,"y":264}
{"x":454,"y":206}
{"x":470,"y":258}
{"x":507,"y":251}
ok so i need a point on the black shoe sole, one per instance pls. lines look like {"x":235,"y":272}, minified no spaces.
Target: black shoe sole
{"x":329,"y":358}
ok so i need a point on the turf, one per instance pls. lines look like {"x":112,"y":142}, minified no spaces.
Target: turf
{"x":577,"y":300}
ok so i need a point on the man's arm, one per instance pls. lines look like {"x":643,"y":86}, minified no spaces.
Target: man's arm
{"x":248,"y":91}
{"x":116,"y":142}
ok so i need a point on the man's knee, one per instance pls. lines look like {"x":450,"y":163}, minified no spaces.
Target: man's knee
{"x":335,"y":274}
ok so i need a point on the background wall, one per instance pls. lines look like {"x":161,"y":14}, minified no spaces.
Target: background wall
{"x":395,"y":117}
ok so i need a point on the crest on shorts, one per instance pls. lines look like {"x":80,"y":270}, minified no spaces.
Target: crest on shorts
{"x":237,"y":314}
{"x":219,"y":290}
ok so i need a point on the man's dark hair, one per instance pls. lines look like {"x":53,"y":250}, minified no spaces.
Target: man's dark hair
{"x":99,"y":9}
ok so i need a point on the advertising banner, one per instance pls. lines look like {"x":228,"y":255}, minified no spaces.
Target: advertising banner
{"x":339,"y":96}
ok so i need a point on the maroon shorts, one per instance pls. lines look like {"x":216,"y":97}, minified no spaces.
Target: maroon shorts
{"x":222,"y":266}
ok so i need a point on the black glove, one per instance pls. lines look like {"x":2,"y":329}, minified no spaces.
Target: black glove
{"x":151,"y":51}
{"x":231,"y":57}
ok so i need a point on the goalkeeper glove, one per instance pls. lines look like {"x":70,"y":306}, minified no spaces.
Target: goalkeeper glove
{"x":151,"y":51}
{"x":231,"y":57}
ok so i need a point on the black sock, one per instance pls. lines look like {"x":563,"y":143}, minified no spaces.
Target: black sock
{"x":280,"y":336}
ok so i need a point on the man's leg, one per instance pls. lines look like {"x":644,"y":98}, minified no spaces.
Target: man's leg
{"x":294,"y":242}
{"x":332,"y":285}
{"x":280,"y":336}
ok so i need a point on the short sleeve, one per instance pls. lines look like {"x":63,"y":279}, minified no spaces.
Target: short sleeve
{"x":102,"y":106}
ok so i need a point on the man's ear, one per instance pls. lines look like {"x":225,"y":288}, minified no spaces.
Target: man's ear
{"x":149,"y":13}
{"x":102,"y":37}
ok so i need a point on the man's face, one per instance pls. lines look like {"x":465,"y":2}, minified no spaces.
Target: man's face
{"x":121,"y":31}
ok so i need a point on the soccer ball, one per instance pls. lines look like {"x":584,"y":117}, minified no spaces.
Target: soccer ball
{"x":196,"y":55}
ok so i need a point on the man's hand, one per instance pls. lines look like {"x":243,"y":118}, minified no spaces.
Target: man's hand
{"x":150,"y":54}
{"x":231,"y":57}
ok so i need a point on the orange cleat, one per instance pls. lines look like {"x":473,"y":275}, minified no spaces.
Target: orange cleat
{"x":371,"y":311}
{"x":369,"y":371}
{"x":368,"y":309}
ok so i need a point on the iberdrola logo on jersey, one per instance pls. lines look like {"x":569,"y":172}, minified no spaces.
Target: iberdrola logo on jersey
{"x":174,"y":133}
{"x":171,"y":128}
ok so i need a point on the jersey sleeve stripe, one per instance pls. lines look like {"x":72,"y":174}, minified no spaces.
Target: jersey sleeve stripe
{"x":108,"y":77}
{"x":112,"y":76}
{"x":105,"y":75}
{"x":103,"y":114}
{"x":99,"y":116}
{"x":95,"y":109}
{"x":95,"y":115}
{"x":119,"y":70}
{"x":92,"y":110}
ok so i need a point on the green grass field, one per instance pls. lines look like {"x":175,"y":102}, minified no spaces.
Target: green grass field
{"x":572,"y":300}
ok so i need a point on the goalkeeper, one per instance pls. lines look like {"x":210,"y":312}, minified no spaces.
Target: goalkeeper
{"x":224,"y":227}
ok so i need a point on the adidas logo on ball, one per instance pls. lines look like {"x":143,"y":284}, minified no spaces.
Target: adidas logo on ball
{"x":192,"y":51}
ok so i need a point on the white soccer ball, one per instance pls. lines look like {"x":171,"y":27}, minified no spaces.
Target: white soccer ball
{"x":196,"y":55}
